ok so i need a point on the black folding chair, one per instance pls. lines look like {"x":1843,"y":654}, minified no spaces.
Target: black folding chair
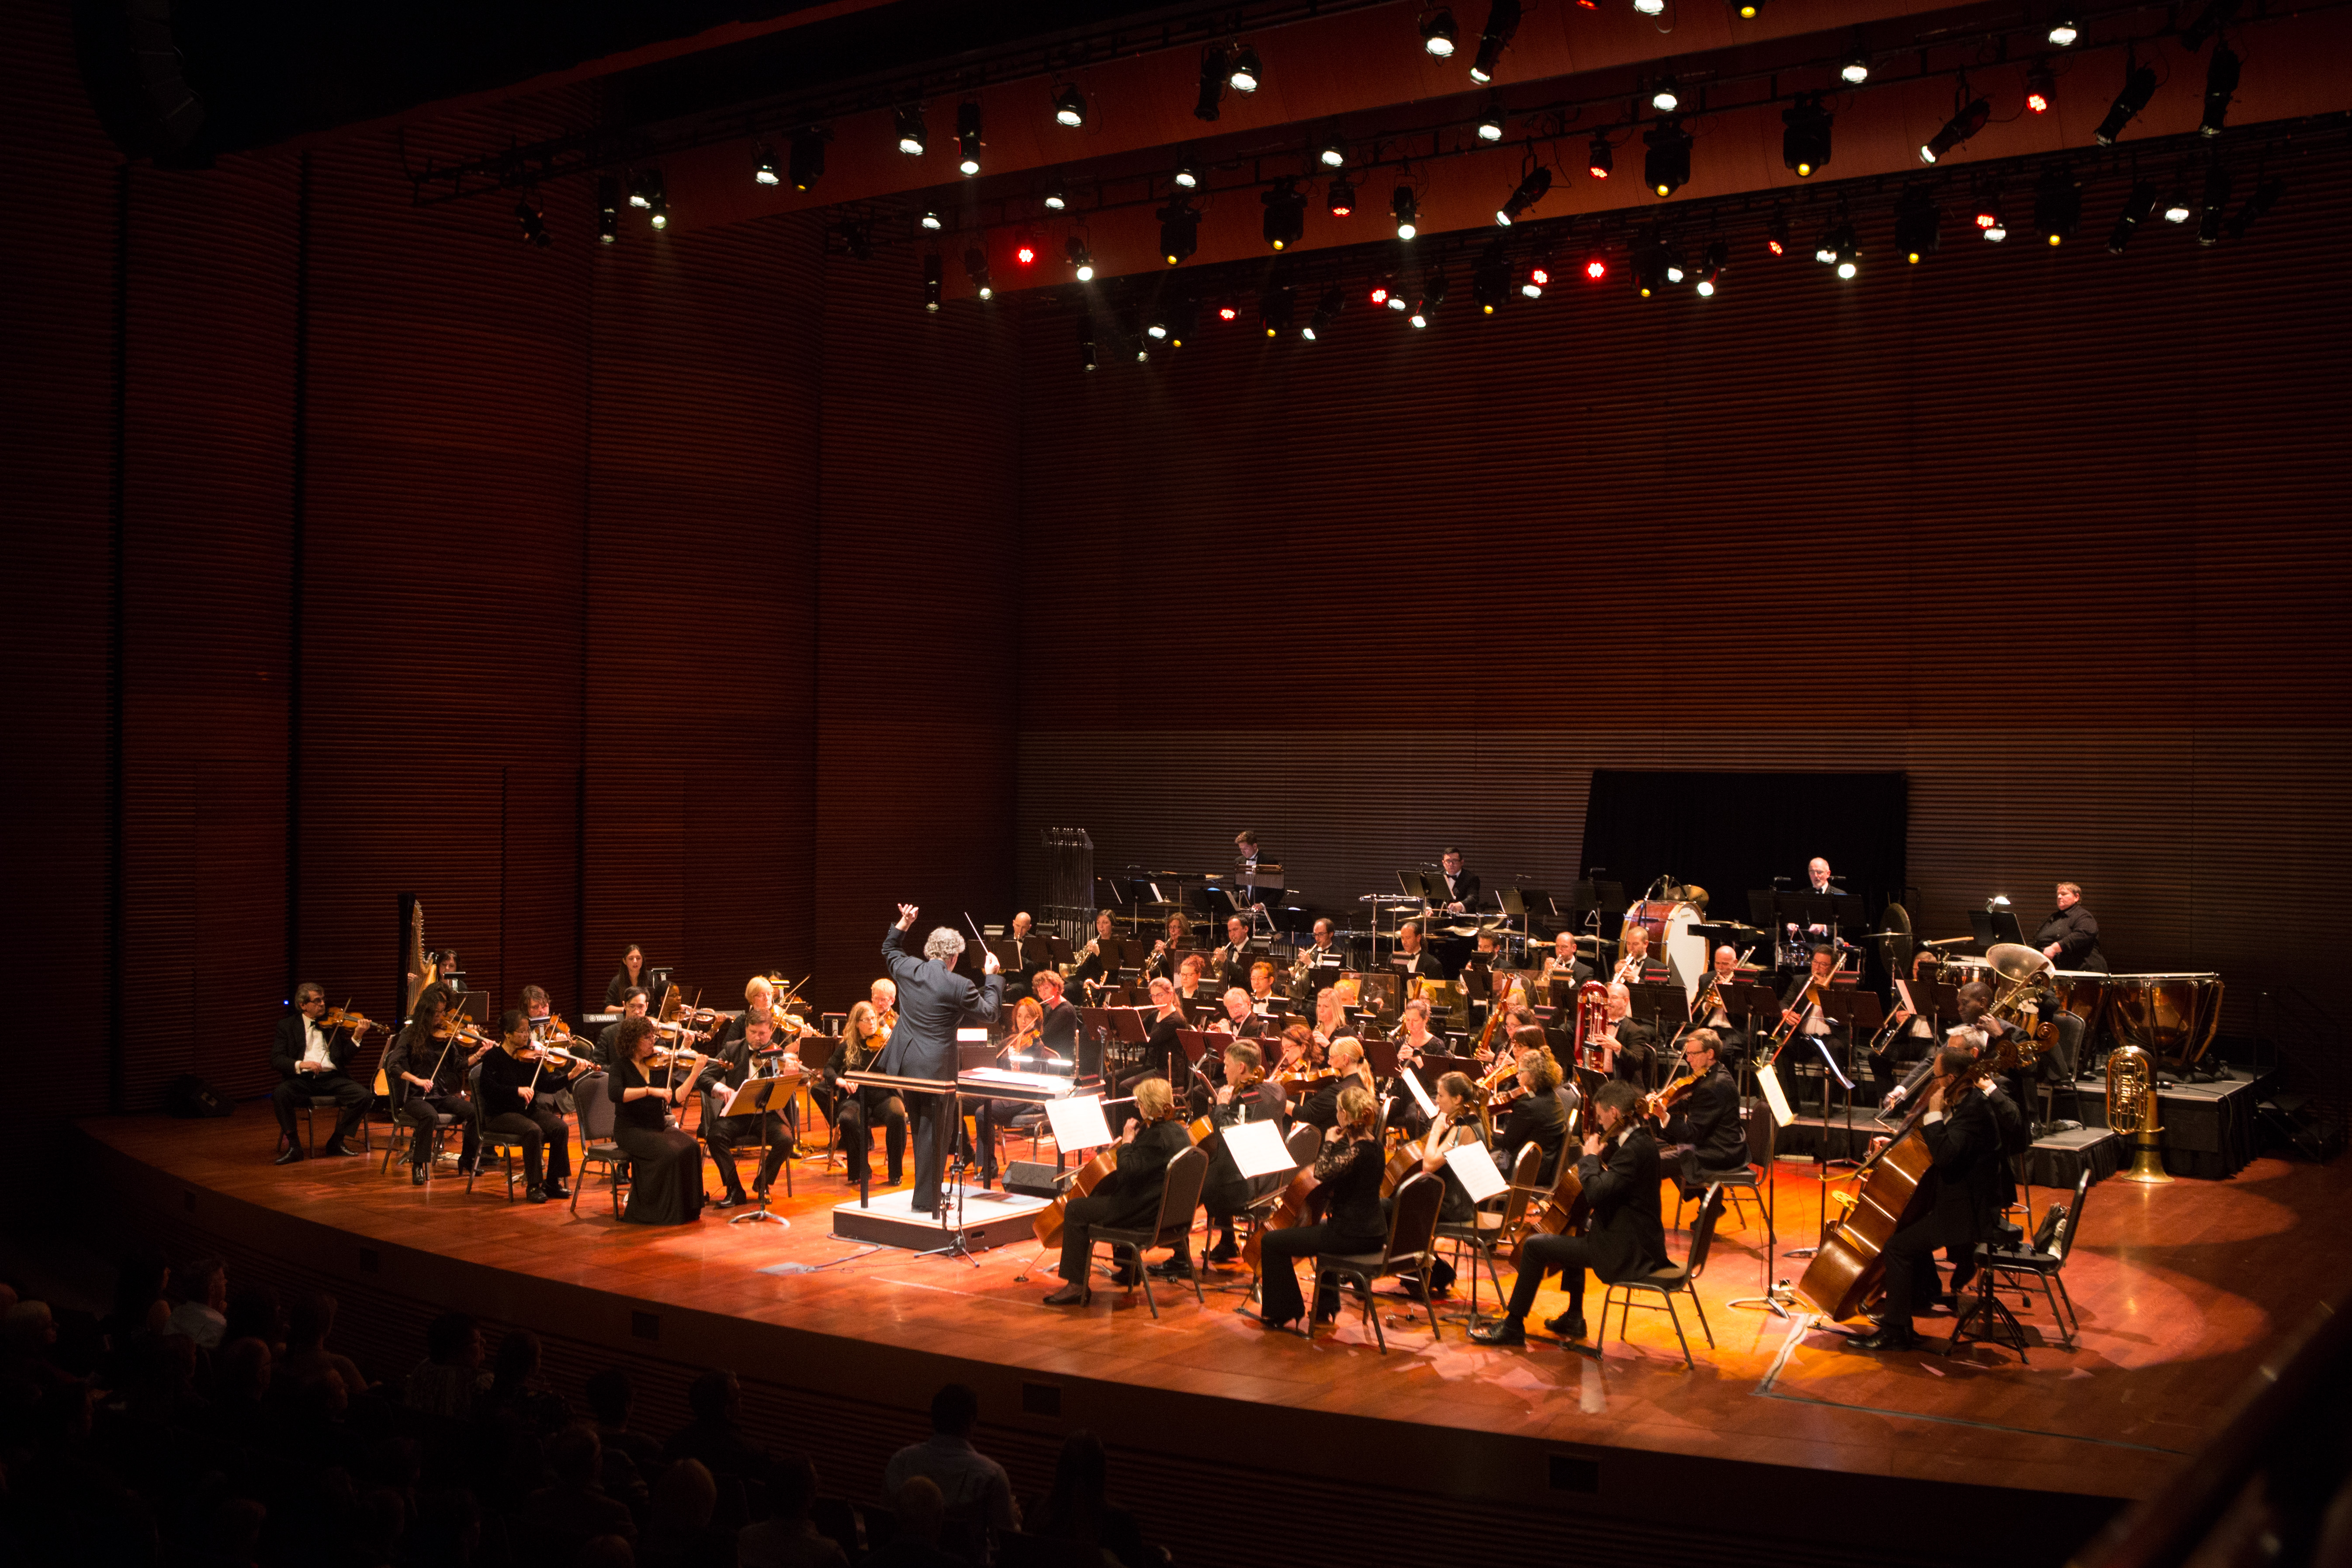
{"x":1412,"y":1248}
{"x":1180,"y":1195}
{"x":598,"y":1116}
{"x":1669,"y":1282}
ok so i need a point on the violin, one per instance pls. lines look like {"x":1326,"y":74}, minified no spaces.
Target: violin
{"x":346,"y":1019}
{"x":1654,"y":1106}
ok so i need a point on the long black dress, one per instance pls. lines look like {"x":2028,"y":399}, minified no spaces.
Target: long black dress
{"x":666,"y":1164}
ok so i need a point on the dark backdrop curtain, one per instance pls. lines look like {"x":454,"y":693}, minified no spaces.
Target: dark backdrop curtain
{"x":1733,"y":832}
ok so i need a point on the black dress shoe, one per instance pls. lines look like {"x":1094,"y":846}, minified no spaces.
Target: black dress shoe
{"x":1069,"y":1296}
{"x":1568,"y":1325}
{"x":1127,"y":1276}
{"x":335,"y":1147}
{"x":1223,"y":1252}
{"x":293,"y":1155}
{"x":534,"y":1194}
{"x":1173,"y":1268}
{"x":1501,"y":1332}
{"x":731,"y":1200}
{"x":415,"y":1176}
{"x":1890,"y":1336}
{"x":557,"y":1192}
{"x":1261,"y":1320}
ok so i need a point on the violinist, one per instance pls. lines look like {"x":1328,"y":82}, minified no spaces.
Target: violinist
{"x":1953,"y":1206}
{"x":1704,"y":1137}
{"x":1460,"y":1120}
{"x":632,"y":973}
{"x":665,"y":1162}
{"x":1412,"y":959}
{"x":1044,"y":1040}
{"x":539,"y":1010}
{"x":1129,"y":1196}
{"x":1232,"y":960}
{"x":1348,"y":1175}
{"x":311,"y":1059}
{"x":731,"y":1062}
{"x":518,"y":1093}
{"x":1540,"y":1110}
{"x":1345,"y":1060}
{"x":1245,"y":1095}
{"x":427,"y":1077}
{"x":729,"y":1058}
{"x":634,"y":1004}
{"x":1095,"y":968}
{"x":1171,"y":950}
{"x":1620,"y":1174}
{"x":853,"y":1112}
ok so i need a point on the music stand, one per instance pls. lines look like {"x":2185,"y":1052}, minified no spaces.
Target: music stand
{"x":951,"y":1165}
{"x":758,"y":1096}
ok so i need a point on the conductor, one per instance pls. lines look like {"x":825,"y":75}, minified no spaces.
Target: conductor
{"x":933,"y":999}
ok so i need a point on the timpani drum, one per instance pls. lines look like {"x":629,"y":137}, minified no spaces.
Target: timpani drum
{"x":1379,"y":992}
{"x":2172,"y":1017}
{"x":1672,"y":941}
{"x":2083,"y":992}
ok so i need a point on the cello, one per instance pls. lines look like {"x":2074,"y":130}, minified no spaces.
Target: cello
{"x":1847,"y":1269}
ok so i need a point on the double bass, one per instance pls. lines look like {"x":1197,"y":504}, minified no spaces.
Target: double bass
{"x":1850,"y":1264}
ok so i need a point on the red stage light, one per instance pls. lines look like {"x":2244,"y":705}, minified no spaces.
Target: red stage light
{"x":1540,"y":276}
{"x":1226,"y":312}
{"x":1340,"y":210}
{"x":1778,"y":248}
{"x":1596,"y":269}
{"x":1379,"y":296}
{"x":2038,"y":101}
{"x":1025,"y":255}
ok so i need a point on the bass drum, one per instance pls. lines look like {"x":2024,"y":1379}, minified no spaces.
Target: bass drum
{"x":1672,"y":941}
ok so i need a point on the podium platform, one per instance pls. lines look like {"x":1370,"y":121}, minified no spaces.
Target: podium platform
{"x":992,"y":1217}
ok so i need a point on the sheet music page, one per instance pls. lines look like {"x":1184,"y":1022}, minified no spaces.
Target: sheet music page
{"x":1419,"y":1095}
{"x":1258,"y":1150}
{"x":1079,"y":1123}
{"x":748,"y":1089}
{"x":1768,"y":1080}
{"x":1475,"y":1166}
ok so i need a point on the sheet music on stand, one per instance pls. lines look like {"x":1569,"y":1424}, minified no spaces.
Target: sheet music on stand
{"x":1767,"y":1080}
{"x":1258,"y":1150}
{"x":1078,"y":1123}
{"x":748,"y":1093}
{"x":1475,"y":1166}
{"x":1419,"y":1095}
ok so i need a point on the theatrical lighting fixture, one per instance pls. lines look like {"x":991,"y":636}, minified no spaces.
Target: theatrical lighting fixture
{"x":1988,"y":220}
{"x":1599,"y":158}
{"x":1405,"y":208}
{"x":1395,"y":301}
{"x":1341,"y":196}
{"x":931,"y":220}
{"x":1646,"y":8}
{"x":1181,"y":316}
{"x":1246,"y":72}
{"x":1438,"y":33}
{"x":1805,"y":145}
{"x":1666,"y":168}
{"x":1082,"y":259}
{"x":2063,"y":30}
{"x":1502,"y":25}
{"x":1666,"y":97}
{"x":608,"y":209}
{"x":2265,"y":197}
{"x":1070,"y":106}
{"x":808,"y":156}
{"x":2139,"y":85}
{"x":1854,"y":69}
{"x":933,"y":279}
{"x":1432,"y":295}
{"x":1957,"y":128}
{"x":2176,"y":205}
{"x":1675,"y":271}
{"x":2217,"y":14}
{"x":1848,"y":247}
{"x":1747,"y":9}
{"x":1776,"y":232}
{"x":1058,"y":198}
{"x":2218,"y":181}
{"x":857,"y":240}
{"x":1025,"y":251}
{"x":1333,"y":153}
{"x":968,"y":137}
{"x":2137,"y":206}
{"x":2220,"y":86}
{"x":1379,"y":293}
{"x":1490,"y":123}
{"x":1227,"y":313}
{"x":1649,"y":265}
{"x":1596,"y":267}
{"x":1918,"y":224}
{"x":1188,"y":174}
{"x":764,"y":169}
{"x":659,"y":215}
{"x":1274,"y":307}
{"x":2057,"y":204}
{"x":1711,"y":267}
{"x":1531,"y":188}
{"x":533,"y":222}
{"x":2040,"y":89}
{"x":1179,"y":230}
{"x":1539,"y":278}
{"x":1490,"y":281}
{"x":912,"y":138}
{"x":1157,"y":331}
{"x":1285,"y":215}
{"x":1086,"y":342}
{"x":1326,"y":308}
{"x":1214,"y":69}
{"x":641,"y":189}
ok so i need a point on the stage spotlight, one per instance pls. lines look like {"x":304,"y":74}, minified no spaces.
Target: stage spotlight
{"x":1405,"y":208}
{"x":763,"y":168}
{"x":1285,"y":215}
{"x":1596,"y":267}
{"x":1246,"y":72}
{"x":1805,"y":145}
{"x":857,"y":240}
{"x":808,"y":157}
{"x":1531,"y":188}
{"x":1599,"y":158}
{"x":641,"y":189}
{"x":1058,"y":198}
{"x":1070,"y":106}
{"x":1081,"y":259}
{"x":1712,"y":267}
{"x":2057,"y":204}
{"x":931,"y":220}
{"x":1539,"y":278}
{"x":2220,"y":86}
{"x":1394,"y":300}
{"x":1340,"y":199}
{"x":2265,"y":197}
{"x":1490,"y":123}
{"x":1918,"y":224}
{"x":2218,"y":181}
{"x":1179,"y":230}
{"x":1848,"y":245}
{"x":1646,"y":8}
{"x":1989,"y":219}
{"x":1490,"y":281}
{"x":1957,"y":128}
{"x":2137,"y":206}
{"x":1188,"y":174}
{"x":1181,"y":317}
{"x":659,"y":215}
{"x":1666,"y":97}
{"x":1333,"y":153}
{"x":1747,"y":9}
{"x":1328,"y":306}
{"x":1026,"y":252}
{"x":2217,"y":14}
{"x":1854,"y":69}
{"x":1502,"y":25}
{"x":912,"y":138}
{"x":1213,"y":70}
{"x":2063,"y":30}
{"x":532,"y":222}
{"x":2139,"y":85}
{"x":608,"y":209}
{"x":1438,"y":33}
{"x":968,"y":137}
{"x":2040,"y":89}
{"x":1650,"y":267}
{"x":1274,"y":307}
{"x":1676,"y":270}
{"x":1086,"y":342}
{"x":934,"y":279}
{"x":1776,"y":232}
{"x":1666,"y":168}
{"x":2176,"y":205}
{"x":1432,"y":295}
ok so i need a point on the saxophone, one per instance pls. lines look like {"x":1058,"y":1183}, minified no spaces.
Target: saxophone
{"x":2132,"y":1112}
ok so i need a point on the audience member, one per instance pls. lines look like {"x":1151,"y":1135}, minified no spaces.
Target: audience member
{"x":448,"y":1381}
{"x":1079,"y":1507}
{"x":789,"y":1537}
{"x":975,"y":1489}
{"x":308,"y":1323}
{"x":202,"y":1312}
{"x":558,"y":1520}
{"x":915,"y":1543}
{"x":678,"y":1531}
{"x":715,"y":1436}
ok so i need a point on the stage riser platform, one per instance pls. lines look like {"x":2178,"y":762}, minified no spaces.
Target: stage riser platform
{"x":988,"y":1219}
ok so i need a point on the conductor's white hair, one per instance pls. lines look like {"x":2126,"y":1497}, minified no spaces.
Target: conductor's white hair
{"x":945,"y":943}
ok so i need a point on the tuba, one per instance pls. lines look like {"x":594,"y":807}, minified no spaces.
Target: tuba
{"x":2025,"y":988}
{"x":2131,"y":1111}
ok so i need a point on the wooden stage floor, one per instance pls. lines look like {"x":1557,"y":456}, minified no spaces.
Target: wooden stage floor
{"x":2181,"y":1290}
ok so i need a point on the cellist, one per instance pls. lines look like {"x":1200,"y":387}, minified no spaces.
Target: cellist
{"x":1245,"y":1095}
{"x":1953,"y":1206}
{"x":1130,"y":1196}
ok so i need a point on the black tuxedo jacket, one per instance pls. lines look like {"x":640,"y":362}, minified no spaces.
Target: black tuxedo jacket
{"x":286,"y":1050}
{"x":933,"y":1003}
{"x":1466,"y":889}
{"x":1232,"y":967}
{"x":1425,"y":964}
{"x":1708,"y":1120}
{"x":1970,"y":1169}
{"x":1620,"y":1184}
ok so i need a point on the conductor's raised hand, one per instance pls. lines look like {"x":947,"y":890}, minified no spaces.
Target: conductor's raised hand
{"x":906,"y":916}
{"x":990,"y":963}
